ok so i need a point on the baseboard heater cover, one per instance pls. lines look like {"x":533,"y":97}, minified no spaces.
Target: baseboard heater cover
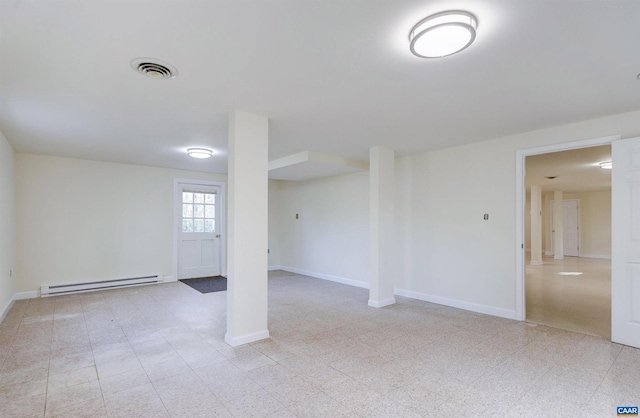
{"x":66,"y":289}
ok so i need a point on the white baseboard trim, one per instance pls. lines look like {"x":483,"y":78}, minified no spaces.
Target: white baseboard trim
{"x":536,"y":263}
{"x":27,"y":295}
{"x":473,"y":307}
{"x":381,"y":303}
{"x":246,"y":339}
{"x":605,"y":257}
{"x":18,"y":296}
{"x":6,"y":309}
{"x":454,"y":303}
{"x":168,"y":279}
{"x":276,"y":267}
{"x":350,"y":282}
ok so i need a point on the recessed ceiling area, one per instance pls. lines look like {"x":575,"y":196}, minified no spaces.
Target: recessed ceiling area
{"x":334,"y":77}
{"x":574,"y":170}
{"x":309,"y":165}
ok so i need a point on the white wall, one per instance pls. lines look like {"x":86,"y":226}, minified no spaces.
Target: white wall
{"x":331,"y":235}
{"x":7,"y":224}
{"x":83,"y":220}
{"x":595,"y":222}
{"x":446,"y":251}
{"x":274,"y":226}
{"x":455,"y":254}
{"x":458,"y":255}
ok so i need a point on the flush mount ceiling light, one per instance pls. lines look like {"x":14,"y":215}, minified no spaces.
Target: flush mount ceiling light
{"x":199,"y":152}
{"x":443,"y":34}
{"x":154,"y":68}
{"x":607,"y":165}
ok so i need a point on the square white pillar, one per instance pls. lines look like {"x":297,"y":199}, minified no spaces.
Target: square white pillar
{"x":247,"y":263}
{"x":381,"y":227}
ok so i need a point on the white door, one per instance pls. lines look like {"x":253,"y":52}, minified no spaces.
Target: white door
{"x":571,"y":235}
{"x":199,"y":236}
{"x":625,"y":249}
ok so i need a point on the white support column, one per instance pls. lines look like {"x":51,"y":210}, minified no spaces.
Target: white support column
{"x":248,"y":229}
{"x":381,"y":226}
{"x":558,"y":225}
{"x":536,"y":225}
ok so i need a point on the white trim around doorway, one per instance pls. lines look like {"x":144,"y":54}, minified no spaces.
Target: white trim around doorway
{"x":521,"y":156}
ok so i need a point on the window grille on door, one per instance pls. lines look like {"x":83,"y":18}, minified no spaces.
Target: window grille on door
{"x":198,"y":212}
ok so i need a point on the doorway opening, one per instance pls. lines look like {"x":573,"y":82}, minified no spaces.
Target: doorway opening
{"x":569,"y":286}
{"x":566,"y":281}
{"x":199,"y":239}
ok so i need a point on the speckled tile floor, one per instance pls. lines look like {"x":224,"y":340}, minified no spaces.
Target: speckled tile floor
{"x":158,"y":351}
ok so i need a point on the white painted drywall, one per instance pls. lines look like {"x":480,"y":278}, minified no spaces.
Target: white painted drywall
{"x":456,"y":254}
{"x":331,"y":234}
{"x":453,"y":250}
{"x":445,"y":247}
{"x":81,"y":220}
{"x":7,"y":224}
{"x":274,"y":228}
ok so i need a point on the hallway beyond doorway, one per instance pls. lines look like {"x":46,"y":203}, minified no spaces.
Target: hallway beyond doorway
{"x":580,"y":303}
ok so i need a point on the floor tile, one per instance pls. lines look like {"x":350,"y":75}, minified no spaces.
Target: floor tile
{"x":160,"y":351}
{"x":140,"y":401}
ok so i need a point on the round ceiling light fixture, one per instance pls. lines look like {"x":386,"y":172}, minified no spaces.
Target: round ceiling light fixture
{"x":607,"y":165}
{"x":443,"y":34}
{"x":154,"y":68}
{"x":199,"y":152}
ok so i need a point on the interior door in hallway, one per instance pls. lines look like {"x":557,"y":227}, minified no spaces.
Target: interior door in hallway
{"x":199,"y":237}
{"x":570,"y":227}
{"x":571,"y":232}
{"x":625,"y":251}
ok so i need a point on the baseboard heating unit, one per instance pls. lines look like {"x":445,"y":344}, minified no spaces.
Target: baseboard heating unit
{"x":66,"y":289}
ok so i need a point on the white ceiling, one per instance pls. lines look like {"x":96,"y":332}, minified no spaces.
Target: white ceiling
{"x":575,"y":170}
{"x":333,"y":76}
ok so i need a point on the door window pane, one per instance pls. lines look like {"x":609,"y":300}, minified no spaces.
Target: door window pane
{"x":198,"y":212}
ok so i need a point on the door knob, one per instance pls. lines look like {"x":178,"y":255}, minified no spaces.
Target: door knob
{"x":217,"y":235}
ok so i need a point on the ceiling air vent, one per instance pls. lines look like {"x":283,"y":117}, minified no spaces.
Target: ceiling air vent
{"x":154,"y":68}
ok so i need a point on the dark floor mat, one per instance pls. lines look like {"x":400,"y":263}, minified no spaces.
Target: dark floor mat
{"x":207,"y":284}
